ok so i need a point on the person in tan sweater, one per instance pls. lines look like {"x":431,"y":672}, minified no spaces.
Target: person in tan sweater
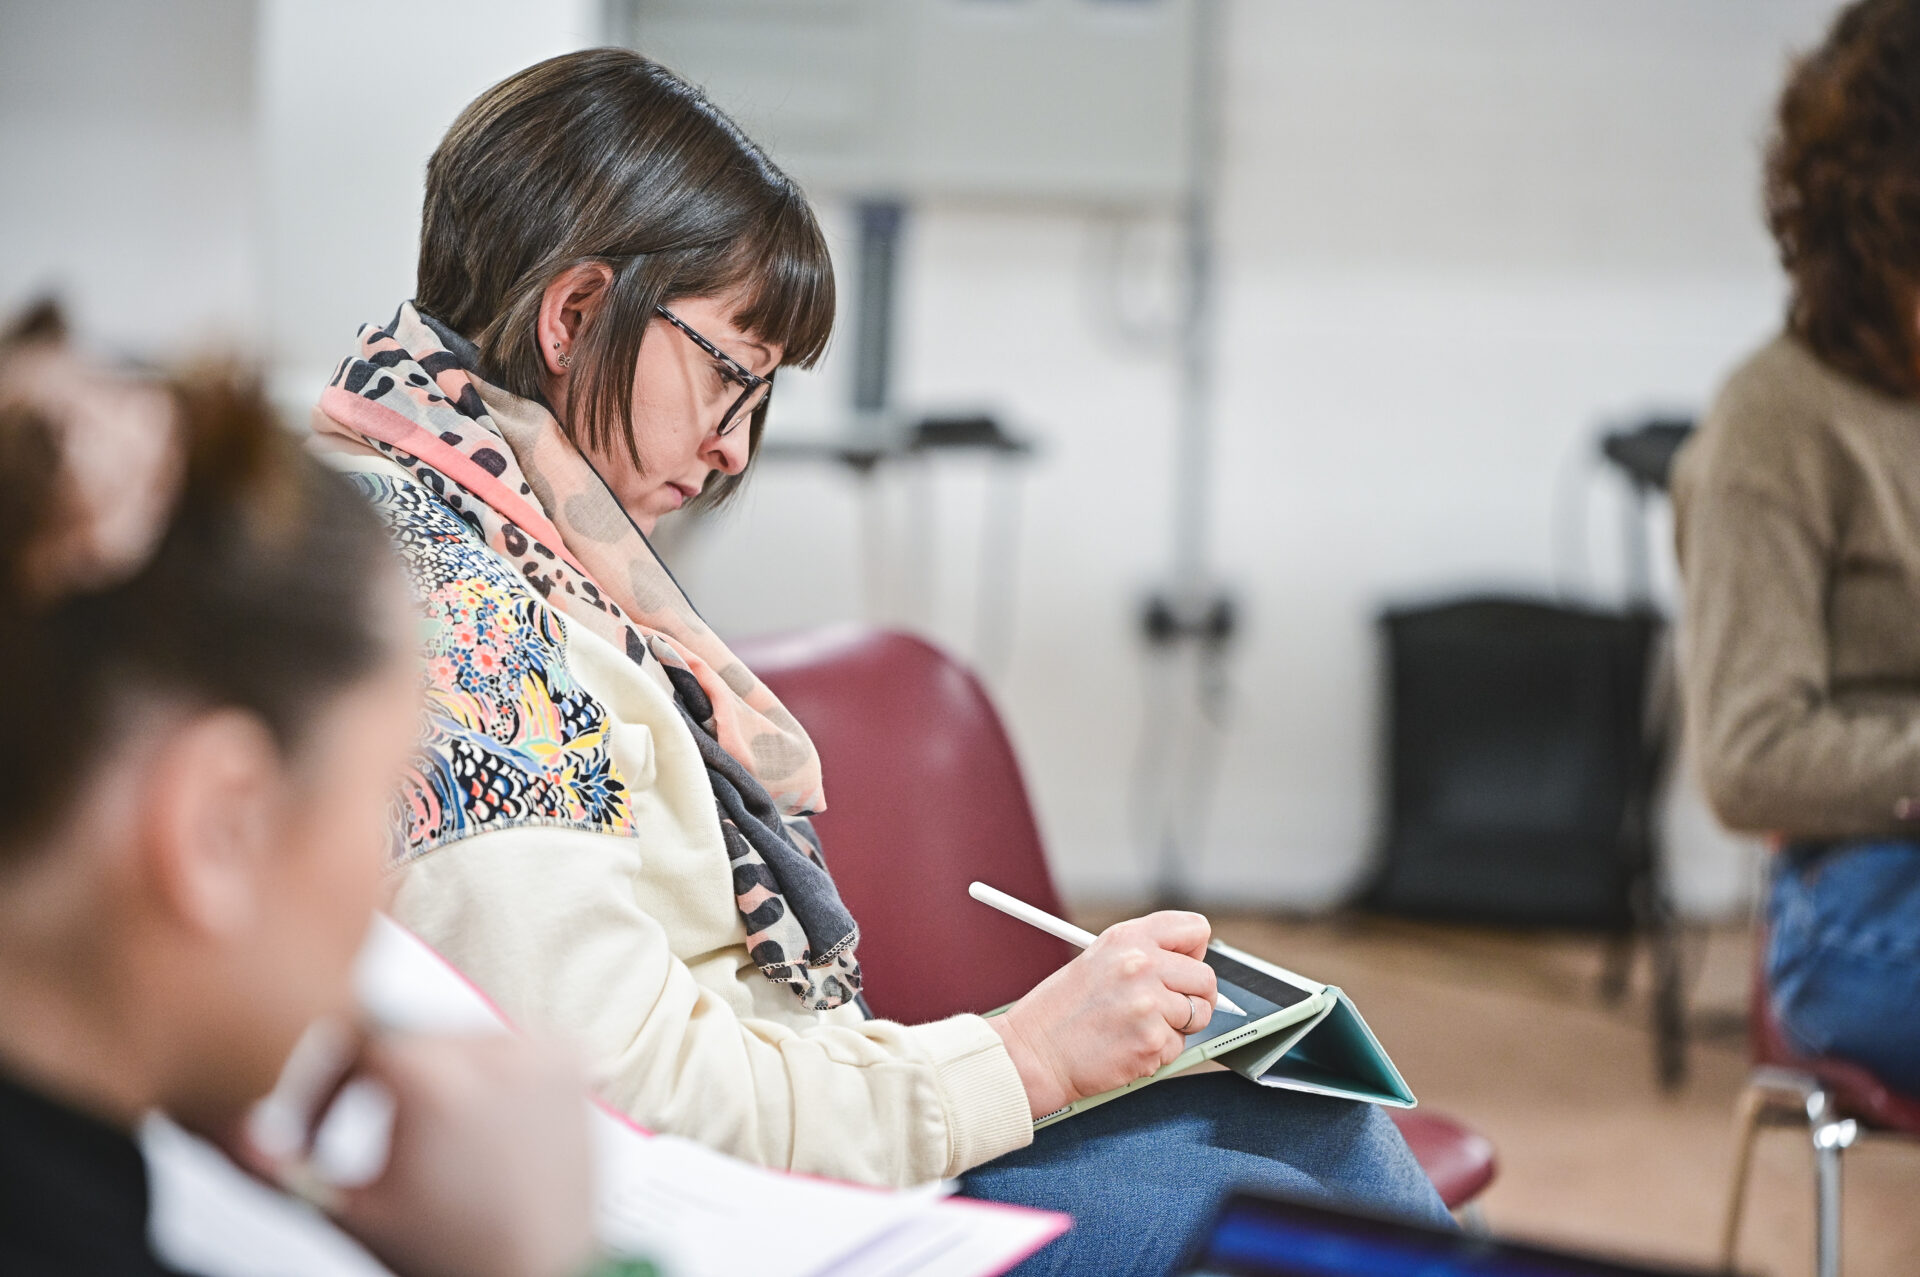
{"x":1797,"y":514}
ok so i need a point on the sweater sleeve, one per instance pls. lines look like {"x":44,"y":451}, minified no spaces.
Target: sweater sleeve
{"x":1759,"y":503}
{"x":545,"y":922}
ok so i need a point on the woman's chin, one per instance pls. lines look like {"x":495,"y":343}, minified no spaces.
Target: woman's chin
{"x":643,"y":509}
{"x":647,"y":508}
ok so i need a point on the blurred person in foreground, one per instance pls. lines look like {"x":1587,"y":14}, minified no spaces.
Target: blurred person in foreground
{"x":1798,"y":519}
{"x":211,"y":691}
{"x":608,"y":829}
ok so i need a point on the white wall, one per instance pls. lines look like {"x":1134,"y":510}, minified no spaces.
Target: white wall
{"x":1459,"y":235}
{"x":353,"y":96}
{"x":126,"y":145}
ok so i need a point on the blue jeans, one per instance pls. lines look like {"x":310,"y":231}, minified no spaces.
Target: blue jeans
{"x":1141,"y":1174}
{"x":1843,"y":959}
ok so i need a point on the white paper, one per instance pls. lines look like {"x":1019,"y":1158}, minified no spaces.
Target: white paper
{"x":704,"y":1214}
{"x":696,"y":1212}
{"x":210,"y":1217}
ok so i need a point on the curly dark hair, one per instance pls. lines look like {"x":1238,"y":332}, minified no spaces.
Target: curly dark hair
{"x":1843,"y":195}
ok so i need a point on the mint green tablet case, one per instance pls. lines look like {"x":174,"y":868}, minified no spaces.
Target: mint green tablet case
{"x":1320,"y":1045}
{"x":1335,"y":1053}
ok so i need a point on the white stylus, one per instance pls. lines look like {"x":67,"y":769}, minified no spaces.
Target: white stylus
{"x":1061,"y":929}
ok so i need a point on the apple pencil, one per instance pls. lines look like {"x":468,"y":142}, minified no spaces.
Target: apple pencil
{"x":1061,"y":929}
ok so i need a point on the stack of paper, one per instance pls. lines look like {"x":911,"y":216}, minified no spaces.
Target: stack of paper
{"x":685,"y":1205}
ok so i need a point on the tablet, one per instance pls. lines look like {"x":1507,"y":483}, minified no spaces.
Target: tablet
{"x":1274,"y":998}
{"x":1255,"y":1235}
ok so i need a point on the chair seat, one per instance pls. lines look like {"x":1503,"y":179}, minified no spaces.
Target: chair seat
{"x":1459,"y":1161}
{"x":1857,"y":1093}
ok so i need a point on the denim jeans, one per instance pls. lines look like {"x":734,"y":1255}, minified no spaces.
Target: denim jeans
{"x":1843,"y":959}
{"x":1141,"y":1174}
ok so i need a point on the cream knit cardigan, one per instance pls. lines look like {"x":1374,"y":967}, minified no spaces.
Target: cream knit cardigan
{"x":633,"y":948}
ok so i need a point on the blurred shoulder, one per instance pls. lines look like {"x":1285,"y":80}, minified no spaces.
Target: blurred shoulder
{"x":1774,"y":419}
{"x":1781,"y":391}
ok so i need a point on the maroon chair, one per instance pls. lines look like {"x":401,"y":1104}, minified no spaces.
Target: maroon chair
{"x":1834,"y":1099}
{"x":1458,"y":1159}
{"x":923,"y":797}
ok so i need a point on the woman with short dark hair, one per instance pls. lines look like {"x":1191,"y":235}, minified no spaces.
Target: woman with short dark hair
{"x":1798,"y":517}
{"x":608,"y":830}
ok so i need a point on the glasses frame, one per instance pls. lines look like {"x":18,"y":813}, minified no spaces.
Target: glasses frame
{"x":752,"y":381}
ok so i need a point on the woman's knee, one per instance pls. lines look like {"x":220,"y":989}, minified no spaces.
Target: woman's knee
{"x":1217,"y":1132}
{"x":1387,"y":1175}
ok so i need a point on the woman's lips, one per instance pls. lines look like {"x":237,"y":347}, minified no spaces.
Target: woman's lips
{"x":682,"y":492}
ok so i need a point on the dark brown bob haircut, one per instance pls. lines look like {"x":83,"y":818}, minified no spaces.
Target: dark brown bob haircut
{"x":1843,"y":195}
{"x":604,"y":155}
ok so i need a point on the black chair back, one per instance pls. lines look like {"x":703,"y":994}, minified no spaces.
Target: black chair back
{"x":1520,"y":769}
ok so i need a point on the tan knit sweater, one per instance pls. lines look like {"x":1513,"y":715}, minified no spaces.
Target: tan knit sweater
{"x":1797,"y":514}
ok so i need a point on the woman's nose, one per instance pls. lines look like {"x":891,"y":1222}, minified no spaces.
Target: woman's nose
{"x":728,"y":452}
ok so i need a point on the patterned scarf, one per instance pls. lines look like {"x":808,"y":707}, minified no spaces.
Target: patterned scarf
{"x":505,"y":467}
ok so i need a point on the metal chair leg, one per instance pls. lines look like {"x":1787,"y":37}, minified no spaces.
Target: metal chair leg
{"x":1832,"y":1136}
{"x":1616,"y":970}
{"x":1774,"y":1095}
{"x":1746,"y":1128}
{"x":1669,"y":999}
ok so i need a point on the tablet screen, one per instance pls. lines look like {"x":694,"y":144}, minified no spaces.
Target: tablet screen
{"x":1259,"y":993}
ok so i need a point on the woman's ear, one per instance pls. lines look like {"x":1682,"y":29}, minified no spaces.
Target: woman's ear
{"x":213,"y":822}
{"x":567,"y":307}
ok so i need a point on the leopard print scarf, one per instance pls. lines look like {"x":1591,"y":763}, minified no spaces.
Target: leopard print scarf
{"x":505,"y":467}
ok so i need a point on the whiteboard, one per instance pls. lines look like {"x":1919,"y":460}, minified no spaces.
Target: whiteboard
{"x":1077,"y":100}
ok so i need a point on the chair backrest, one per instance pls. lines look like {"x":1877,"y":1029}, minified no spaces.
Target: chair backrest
{"x":1516,"y":755}
{"x":923,"y":796}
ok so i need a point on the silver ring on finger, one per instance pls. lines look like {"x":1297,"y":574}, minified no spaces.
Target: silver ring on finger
{"x":1193,"y":1009}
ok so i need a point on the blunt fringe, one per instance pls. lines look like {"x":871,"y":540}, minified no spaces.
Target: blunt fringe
{"x":605,"y":155}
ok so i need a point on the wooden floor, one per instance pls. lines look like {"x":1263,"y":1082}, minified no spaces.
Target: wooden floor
{"x":1509,"y":1033}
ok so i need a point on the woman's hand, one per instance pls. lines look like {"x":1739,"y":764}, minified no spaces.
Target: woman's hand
{"x":488,"y":1170}
{"x":1117,"y":1012}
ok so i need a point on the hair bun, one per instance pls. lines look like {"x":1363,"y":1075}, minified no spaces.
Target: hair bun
{"x":91,"y":464}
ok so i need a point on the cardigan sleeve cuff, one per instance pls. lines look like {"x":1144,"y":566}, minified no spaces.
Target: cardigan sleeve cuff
{"x":987,"y":1110}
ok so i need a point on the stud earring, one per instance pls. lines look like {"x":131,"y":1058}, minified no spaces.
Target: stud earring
{"x":565,"y":361}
